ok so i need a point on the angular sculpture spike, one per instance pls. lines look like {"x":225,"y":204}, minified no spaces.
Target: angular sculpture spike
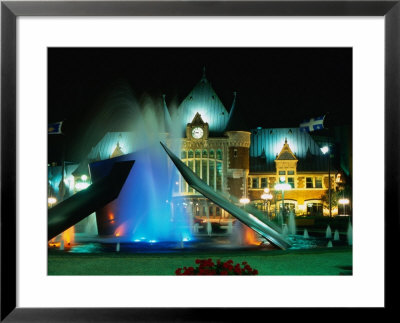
{"x":269,"y":233}
{"x":77,"y":207}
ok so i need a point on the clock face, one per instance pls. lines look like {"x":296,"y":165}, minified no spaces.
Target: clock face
{"x":197,"y":133}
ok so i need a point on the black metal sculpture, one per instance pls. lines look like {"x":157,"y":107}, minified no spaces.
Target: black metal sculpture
{"x":268,"y":231}
{"x":82,"y":204}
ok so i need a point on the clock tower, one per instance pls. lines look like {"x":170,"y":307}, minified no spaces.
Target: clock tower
{"x":197,"y":129}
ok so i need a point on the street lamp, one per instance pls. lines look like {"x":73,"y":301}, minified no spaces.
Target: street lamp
{"x":51,"y":201}
{"x":344,"y":202}
{"x":283,"y":187}
{"x":325,"y":150}
{"x":244,"y":201}
{"x":266,"y":197}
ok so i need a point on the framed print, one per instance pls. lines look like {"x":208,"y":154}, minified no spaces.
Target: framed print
{"x":190,"y":138}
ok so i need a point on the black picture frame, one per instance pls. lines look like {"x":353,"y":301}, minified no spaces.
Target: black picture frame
{"x":10,"y":10}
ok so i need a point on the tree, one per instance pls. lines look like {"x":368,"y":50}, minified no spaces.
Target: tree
{"x":336,"y":196}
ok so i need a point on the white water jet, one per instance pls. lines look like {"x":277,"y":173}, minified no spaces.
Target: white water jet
{"x":209,"y":228}
{"x":230,"y":227}
{"x":237,"y":234}
{"x":285,"y":230}
{"x":91,"y":225}
{"x":117,"y":248}
{"x":292,"y":223}
{"x":191,"y":223}
{"x":306,"y":236}
{"x":196,"y":228}
{"x":328,"y":234}
{"x":336,"y":236}
{"x":329,"y":245}
{"x":62,"y":244}
{"x":350,"y":234}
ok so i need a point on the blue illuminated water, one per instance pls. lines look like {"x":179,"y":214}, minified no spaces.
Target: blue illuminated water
{"x":145,"y":209}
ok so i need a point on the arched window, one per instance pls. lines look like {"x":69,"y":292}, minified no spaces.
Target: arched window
{"x":197,"y":154}
{"x":183,"y":154}
{"x":219,"y":154}
{"x":211,"y":153}
{"x":190,"y":154}
{"x":205,"y":154}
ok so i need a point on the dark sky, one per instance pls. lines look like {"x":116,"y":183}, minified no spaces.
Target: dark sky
{"x":277,"y":87}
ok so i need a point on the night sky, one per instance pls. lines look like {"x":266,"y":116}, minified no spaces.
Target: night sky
{"x":276,"y":87}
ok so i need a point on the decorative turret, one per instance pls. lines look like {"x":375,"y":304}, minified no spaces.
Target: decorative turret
{"x":197,"y":129}
{"x":286,"y":159}
{"x":203,"y":100}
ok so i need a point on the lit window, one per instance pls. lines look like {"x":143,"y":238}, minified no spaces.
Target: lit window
{"x":190,"y":155}
{"x":290,"y":172}
{"x":204,"y":153}
{"x":255,"y":182}
{"x":219,"y":176}
{"x":204,"y":170}
{"x":282,"y":172}
{"x":219,"y":154}
{"x":197,"y":154}
{"x":318,"y":182}
{"x":211,"y":172}
{"x":314,"y":209}
{"x":211,"y":153}
{"x":263,"y":182}
{"x":309,"y":182}
{"x":291,"y":181}
{"x":183,"y":154}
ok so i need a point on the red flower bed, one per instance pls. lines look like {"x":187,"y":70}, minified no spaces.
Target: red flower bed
{"x":208,"y":267}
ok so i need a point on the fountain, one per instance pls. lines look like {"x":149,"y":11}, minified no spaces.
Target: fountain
{"x":329,"y":245}
{"x":117,"y":248}
{"x":306,"y":236}
{"x":350,"y":234}
{"x":328,"y":233}
{"x":336,"y":236}
{"x":145,"y":209}
{"x":292,"y":223}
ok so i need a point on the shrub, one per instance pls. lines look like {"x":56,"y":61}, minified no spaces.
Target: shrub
{"x":208,"y":267}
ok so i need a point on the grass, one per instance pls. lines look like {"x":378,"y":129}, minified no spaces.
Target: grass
{"x":332,"y":261}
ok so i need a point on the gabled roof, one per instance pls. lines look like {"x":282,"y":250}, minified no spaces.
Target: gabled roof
{"x":266,"y":145}
{"x":286,"y":153}
{"x":197,"y":120}
{"x":117,"y":151}
{"x":107,"y":145}
{"x":203,"y":100}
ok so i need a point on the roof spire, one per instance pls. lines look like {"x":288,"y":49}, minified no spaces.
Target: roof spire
{"x":203,"y":78}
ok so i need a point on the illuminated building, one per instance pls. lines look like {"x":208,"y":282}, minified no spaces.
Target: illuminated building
{"x":234,"y":161}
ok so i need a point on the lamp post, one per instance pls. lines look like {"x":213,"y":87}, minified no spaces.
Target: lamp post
{"x":244,"y":201}
{"x":266,"y":196}
{"x":282,"y":186}
{"x":51,"y":201}
{"x":325,"y":150}
{"x":344,"y":202}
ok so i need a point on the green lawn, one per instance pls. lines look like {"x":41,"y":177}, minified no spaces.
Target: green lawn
{"x":332,"y":261}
